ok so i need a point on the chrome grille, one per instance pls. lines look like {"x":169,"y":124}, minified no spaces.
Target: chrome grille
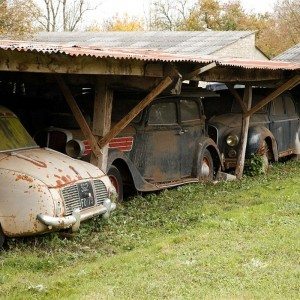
{"x":72,"y":200}
{"x":100,"y":191}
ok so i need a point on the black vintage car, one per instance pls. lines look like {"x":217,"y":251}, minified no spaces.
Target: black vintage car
{"x":166,"y":145}
{"x":274,"y":130}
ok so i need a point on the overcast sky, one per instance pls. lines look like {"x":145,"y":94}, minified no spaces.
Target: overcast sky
{"x":139,"y":8}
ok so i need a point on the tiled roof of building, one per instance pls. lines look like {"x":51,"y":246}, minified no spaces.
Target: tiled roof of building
{"x":179,"y":42}
{"x":292,"y":54}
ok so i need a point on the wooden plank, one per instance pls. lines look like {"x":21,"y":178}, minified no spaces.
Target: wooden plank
{"x":78,"y":115}
{"x":199,"y":71}
{"x":135,"y":111}
{"x":207,"y":67}
{"x":63,"y":64}
{"x":287,"y":85}
{"x":242,"y":76}
{"x":244,"y":134}
{"x":102,"y":120}
{"x":237,"y":97}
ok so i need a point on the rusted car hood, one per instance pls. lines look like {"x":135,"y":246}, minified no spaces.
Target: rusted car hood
{"x":53,"y":168}
{"x":232,"y":120}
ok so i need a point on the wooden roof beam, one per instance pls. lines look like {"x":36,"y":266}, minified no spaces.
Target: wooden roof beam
{"x":14,"y":61}
{"x":255,"y":77}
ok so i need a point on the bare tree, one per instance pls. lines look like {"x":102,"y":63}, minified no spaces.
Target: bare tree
{"x":288,"y":14}
{"x":169,"y":14}
{"x":63,"y":15}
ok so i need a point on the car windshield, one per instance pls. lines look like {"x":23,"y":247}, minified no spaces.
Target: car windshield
{"x":13,"y":135}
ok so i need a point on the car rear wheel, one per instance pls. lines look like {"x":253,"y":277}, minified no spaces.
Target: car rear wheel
{"x":2,"y":239}
{"x":266,"y":157}
{"x":206,"y":167}
{"x":116,"y":180}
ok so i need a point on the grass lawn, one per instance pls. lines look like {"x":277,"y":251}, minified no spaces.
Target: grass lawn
{"x":230,"y":240}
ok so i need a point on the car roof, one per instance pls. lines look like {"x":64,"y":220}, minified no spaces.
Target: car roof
{"x":6,"y":112}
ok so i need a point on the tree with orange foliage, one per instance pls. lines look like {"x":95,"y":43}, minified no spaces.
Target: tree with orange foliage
{"x":123,"y":23}
{"x":17,"y":18}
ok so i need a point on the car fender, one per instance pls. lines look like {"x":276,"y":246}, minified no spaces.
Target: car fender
{"x":256,"y":137}
{"x":22,"y":198}
{"x":116,"y":157}
{"x":203,"y":144}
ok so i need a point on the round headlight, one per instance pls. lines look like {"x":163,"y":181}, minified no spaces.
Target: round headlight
{"x":232,"y":140}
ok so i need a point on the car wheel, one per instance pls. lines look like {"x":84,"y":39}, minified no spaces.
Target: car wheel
{"x":2,"y":239}
{"x":116,"y":180}
{"x":206,"y":167}
{"x":266,"y":156}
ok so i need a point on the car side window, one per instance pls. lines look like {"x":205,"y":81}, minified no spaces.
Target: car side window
{"x":289,"y":106}
{"x":278,"y":108}
{"x":121,"y":108}
{"x":189,"y":110}
{"x":164,"y":113}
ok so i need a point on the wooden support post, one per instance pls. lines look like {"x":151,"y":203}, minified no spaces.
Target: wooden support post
{"x":78,"y":115}
{"x":244,"y":134}
{"x":237,"y":97}
{"x":102,"y":120}
{"x":287,"y":85}
{"x":135,"y":111}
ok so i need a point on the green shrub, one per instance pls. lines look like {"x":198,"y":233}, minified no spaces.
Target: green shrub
{"x":255,"y":166}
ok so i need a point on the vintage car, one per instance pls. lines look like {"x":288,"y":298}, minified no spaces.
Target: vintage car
{"x":42,"y":190}
{"x":164,"y":146}
{"x":273,"y":133}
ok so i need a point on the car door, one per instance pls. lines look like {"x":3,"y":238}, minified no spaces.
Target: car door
{"x":292,"y":120}
{"x":279,"y":125}
{"x":159,"y":157}
{"x":192,"y":122}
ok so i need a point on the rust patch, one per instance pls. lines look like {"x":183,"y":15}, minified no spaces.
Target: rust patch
{"x":24,"y":177}
{"x":65,"y":179}
{"x":35,"y":162}
{"x":59,"y":183}
{"x":74,"y":170}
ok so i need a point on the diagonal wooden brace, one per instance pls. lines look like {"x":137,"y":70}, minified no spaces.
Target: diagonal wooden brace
{"x":78,"y":115}
{"x":287,"y":85}
{"x":135,"y":111}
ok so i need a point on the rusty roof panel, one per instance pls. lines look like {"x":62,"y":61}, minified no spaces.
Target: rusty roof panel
{"x":142,"y":54}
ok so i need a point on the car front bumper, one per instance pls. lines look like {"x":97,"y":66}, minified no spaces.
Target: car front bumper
{"x":73,"y":221}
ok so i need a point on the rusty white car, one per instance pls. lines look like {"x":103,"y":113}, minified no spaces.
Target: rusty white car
{"x":42,"y":190}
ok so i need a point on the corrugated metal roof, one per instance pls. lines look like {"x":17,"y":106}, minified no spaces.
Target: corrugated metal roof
{"x":178,"y":42}
{"x":292,"y":54}
{"x":142,"y":54}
